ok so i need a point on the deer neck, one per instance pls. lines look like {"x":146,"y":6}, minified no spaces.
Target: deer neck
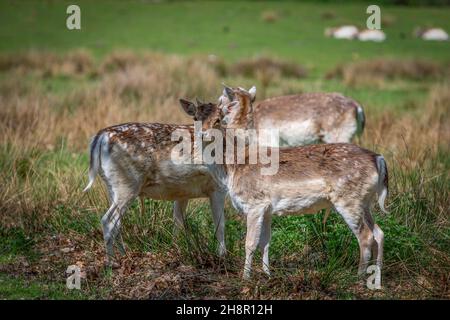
{"x":224,"y":172}
{"x":244,"y":118}
{"x":244,"y":121}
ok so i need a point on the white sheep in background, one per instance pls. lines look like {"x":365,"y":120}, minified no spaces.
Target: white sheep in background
{"x":371,"y":35}
{"x":343,"y":32}
{"x":434,"y":34}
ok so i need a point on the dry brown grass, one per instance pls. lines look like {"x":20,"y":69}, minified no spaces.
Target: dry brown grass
{"x":387,"y":20}
{"x":267,"y":71}
{"x":144,"y":88}
{"x":376,"y":72}
{"x":416,"y":146}
{"x":423,"y":132}
{"x":48,"y":64}
{"x":129,"y":87}
{"x":270,"y":16}
{"x":260,"y":67}
{"x":268,"y":65}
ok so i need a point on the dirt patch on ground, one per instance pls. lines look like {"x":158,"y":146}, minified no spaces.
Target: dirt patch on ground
{"x":140,"y":275}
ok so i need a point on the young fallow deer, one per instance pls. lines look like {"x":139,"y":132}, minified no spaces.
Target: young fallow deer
{"x":307,"y":118}
{"x":135,"y":160}
{"x":340,"y":176}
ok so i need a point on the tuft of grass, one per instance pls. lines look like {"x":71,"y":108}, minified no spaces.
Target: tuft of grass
{"x":377,"y":71}
{"x":328,"y":15}
{"x":264,"y":64}
{"x":270,"y":16}
{"x":18,"y":288}
{"x":388,"y":20}
{"x":267,"y":71}
{"x":48,"y":64}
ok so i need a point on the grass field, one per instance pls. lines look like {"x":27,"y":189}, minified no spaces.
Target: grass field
{"x":131,"y":62}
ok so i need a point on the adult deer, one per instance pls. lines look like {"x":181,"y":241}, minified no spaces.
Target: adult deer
{"x":340,"y":176}
{"x":307,"y":118}
{"x":136,"y":160}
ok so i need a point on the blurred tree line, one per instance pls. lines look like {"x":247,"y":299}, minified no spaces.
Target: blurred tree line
{"x":384,"y":2}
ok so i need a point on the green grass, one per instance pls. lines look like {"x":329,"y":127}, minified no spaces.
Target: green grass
{"x":15,"y":246}
{"x":14,"y":243}
{"x":15,"y":288}
{"x":229,"y":29}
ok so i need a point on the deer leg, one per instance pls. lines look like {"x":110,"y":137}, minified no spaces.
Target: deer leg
{"x":111,"y":221}
{"x":362,"y":229}
{"x":326,"y":215}
{"x":121,"y":246}
{"x":142,"y":205}
{"x":115,"y":224}
{"x":255,"y":220}
{"x":107,"y":234}
{"x":365,"y":240}
{"x":217,"y":202}
{"x":378,"y":238}
{"x":264,"y":242}
{"x":377,"y":248}
{"x":179,"y":211}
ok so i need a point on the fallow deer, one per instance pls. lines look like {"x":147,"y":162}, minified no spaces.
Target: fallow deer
{"x":340,"y":176}
{"x":307,"y":118}
{"x":135,"y":160}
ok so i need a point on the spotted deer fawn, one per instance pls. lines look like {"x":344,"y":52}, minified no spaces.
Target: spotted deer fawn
{"x":307,"y":118}
{"x":340,"y":176}
{"x":134,"y":160}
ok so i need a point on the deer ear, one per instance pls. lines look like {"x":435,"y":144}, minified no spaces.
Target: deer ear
{"x":188,"y":107}
{"x":229,"y":93}
{"x":252,"y":92}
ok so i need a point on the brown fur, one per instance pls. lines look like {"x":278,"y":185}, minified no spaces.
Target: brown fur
{"x":305,"y":118}
{"x":328,"y":110}
{"x":135,"y":160}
